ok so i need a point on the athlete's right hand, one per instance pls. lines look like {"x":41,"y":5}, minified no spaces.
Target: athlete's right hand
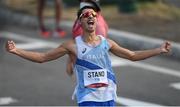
{"x":10,"y":46}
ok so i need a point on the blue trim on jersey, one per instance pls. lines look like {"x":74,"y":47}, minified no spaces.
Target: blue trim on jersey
{"x":111,"y":77}
{"x":110,"y":103}
{"x":87,"y":64}
{"x":92,"y":66}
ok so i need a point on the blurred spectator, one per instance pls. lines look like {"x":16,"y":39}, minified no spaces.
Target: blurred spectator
{"x":58,"y":10}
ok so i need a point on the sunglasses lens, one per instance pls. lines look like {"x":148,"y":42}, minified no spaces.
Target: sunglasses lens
{"x":94,"y":14}
{"x":87,"y":14}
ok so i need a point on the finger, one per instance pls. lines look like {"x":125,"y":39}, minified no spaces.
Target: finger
{"x":168,"y":43}
{"x":8,"y":42}
{"x":13,"y":42}
{"x":10,"y":45}
{"x":169,"y":48}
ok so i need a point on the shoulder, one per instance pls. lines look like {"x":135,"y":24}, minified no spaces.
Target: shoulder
{"x":69,"y":42}
{"x":110,"y":42}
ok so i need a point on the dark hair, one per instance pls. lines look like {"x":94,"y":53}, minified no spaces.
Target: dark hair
{"x":85,"y":7}
{"x":94,"y":3}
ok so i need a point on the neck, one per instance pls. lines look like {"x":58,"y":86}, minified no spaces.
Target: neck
{"x":89,"y":37}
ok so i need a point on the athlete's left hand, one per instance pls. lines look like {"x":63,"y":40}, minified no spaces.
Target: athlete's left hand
{"x":165,"y":47}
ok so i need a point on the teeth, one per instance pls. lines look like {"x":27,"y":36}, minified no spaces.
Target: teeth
{"x":91,"y":22}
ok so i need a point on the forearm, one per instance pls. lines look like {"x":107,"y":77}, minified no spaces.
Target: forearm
{"x":138,"y":55}
{"x":29,"y":55}
{"x":37,"y":56}
{"x":141,"y":55}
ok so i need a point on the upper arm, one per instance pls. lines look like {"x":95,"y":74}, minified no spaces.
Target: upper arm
{"x":56,"y":53}
{"x":120,"y":51}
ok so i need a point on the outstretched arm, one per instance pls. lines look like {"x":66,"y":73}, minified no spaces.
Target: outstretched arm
{"x":36,"y":56}
{"x":138,"y":55}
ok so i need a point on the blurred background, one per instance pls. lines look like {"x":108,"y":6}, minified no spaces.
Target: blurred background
{"x":134,"y":24}
{"x":156,"y":18}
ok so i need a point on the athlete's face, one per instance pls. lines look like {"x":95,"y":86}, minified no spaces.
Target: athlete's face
{"x":88,"y":20}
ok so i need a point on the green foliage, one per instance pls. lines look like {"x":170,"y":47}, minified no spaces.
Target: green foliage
{"x":130,"y":6}
{"x":127,"y":6}
{"x":102,"y":2}
{"x":108,"y":2}
{"x":71,"y":2}
{"x":147,"y":0}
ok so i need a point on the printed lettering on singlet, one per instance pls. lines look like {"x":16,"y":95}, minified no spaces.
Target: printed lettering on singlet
{"x":95,"y":78}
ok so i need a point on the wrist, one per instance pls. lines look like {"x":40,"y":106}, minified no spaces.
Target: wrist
{"x":159,"y":50}
{"x":15,"y":51}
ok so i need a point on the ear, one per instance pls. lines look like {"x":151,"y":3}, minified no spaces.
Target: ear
{"x":79,"y":21}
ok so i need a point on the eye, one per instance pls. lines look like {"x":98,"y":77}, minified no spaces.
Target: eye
{"x":88,"y":14}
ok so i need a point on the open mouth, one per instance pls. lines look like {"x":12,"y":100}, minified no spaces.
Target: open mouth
{"x":90,"y":22}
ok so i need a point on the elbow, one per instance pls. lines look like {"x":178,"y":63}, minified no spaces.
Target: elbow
{"x":39,"y":61}
{"x":132,"y":57}
{"x":42,"y":59}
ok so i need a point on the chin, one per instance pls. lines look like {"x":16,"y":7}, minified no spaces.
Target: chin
{"x":91,"y":31}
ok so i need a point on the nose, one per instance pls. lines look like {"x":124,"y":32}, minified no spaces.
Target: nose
{"x":91,"y":16}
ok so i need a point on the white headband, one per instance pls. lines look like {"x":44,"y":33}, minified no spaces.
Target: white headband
{"x":83,"y":4}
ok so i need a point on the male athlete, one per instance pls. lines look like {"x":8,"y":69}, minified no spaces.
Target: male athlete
{"x":101,"y":28}
{"x":96,"y":83}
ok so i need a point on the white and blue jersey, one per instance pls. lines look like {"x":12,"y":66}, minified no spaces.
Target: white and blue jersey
{"x":95,"y":77}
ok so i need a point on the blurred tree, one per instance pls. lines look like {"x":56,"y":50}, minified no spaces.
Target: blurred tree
{"x":71,"y":2}
{"x":147,"y":0}
{"x":127,"y":6}
{"x":130,"y":6}
{"x":2,"y":17}
{"x":102,"y":2}
{"x":108,"y":2}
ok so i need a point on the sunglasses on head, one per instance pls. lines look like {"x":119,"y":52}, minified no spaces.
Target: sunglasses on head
{"x":87,"y":14}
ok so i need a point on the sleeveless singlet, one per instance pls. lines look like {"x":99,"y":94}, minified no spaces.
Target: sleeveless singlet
{"x":95,"y":77}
